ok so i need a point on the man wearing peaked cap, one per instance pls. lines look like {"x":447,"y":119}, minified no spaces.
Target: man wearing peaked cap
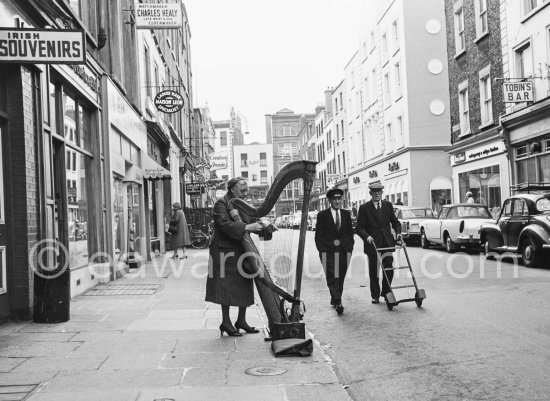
{"x":374,"y":222}
{"x":334,"y":241}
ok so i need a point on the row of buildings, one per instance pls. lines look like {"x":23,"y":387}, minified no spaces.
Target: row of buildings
{"x":89,"y":164}
{"x":440,"y":99}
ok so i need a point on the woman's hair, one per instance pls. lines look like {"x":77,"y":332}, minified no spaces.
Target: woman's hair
{"x":234,"y":181}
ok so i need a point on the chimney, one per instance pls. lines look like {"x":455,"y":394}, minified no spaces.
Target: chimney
{"x":328,"y":100}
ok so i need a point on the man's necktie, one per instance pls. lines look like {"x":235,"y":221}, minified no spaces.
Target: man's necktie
{"x":378,"y":207}
{"x":338,"y":220}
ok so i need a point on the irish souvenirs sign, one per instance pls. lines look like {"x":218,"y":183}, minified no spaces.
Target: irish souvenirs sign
{"x":42,"y":46}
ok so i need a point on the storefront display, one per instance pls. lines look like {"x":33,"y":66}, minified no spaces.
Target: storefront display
{"x":484,"y":184}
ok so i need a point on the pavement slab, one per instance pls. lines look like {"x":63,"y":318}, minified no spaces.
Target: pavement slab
{"x":196,"y":360}
{"x":60,"y":364}
{"x":7,"y":364}
{"x":15,"y":348}
{"x":197,"y":393}
{"x":88,"y":395}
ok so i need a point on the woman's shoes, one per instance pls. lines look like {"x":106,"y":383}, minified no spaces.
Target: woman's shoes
{"x":230,"y":332}
{"x":183,"y":257}
{"x":246,"y":328}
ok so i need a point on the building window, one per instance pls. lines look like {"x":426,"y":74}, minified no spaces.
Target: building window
{"x":244,"y":174}
{"x":523,"y":60}
{"x":386,"y":89}
{"x":485,"y":98}
{"x":76,"y":6}
{"x":395,"y":29}
{"x":390,"y":138}
{"x":533,"y":163}
{"x":254,"y":177}
{"x":484,"y":184}
{"x":263,"y":159}
{"x":263,"y":177}
{"x":397,"y":73}
{"x":482,"y":26}
{"x":384,"y":46}
{"x":460,"y":40}
{"x":286,"y":130}
{"x":244,"y":160}
{"x":147,"y":60}
{"x":529,"y":5}
{"x":400,"y":138}
{"x":223,"y":138}
{"x":464,"y":110}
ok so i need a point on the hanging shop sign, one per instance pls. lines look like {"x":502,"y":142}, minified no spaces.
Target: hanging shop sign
{"x":168,"y":101}
{"x":158,"y":15}
{"x":517,"y":92}
{"x":218,"y":160}
{"x":194,"y":188}
{"x":42,"y":46}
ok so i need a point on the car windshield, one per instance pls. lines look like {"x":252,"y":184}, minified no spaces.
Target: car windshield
{"x":473,"y":211}
{"x":415,"y":213}
{"x":543,"y":205}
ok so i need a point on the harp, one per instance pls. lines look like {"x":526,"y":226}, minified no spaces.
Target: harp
{"x":272,"y":295}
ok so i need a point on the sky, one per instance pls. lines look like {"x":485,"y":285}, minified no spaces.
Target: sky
{"x":260,"y":56}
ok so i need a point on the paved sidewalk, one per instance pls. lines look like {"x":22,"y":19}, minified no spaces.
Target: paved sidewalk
{"x":163,"y":344}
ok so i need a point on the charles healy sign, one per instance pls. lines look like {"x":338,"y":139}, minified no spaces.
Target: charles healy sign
{"x":42,"y":46}
{"x":517,"y":92}
{"x":168,"y":101}
{"x":158,"y":15}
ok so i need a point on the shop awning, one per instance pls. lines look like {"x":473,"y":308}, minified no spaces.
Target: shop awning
{"x":154,"y":171}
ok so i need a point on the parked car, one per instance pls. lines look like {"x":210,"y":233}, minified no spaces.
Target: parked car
{"x":456,"y":225}
{"x":410,"y":218}
{"x":312,"y":220}
{"x":296,"y":220}
{"x":523,"y":227}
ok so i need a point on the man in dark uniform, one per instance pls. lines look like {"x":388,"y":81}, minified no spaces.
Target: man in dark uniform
{"x":374,"y":223}
{"x":334,"y":241}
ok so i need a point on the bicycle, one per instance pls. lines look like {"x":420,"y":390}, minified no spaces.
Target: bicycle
{"x":200,"y":239}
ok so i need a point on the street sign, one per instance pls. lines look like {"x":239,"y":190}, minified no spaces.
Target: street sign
{"x":42,"y":46}
{"x":168,"y":101}
{"x":158,"y":15}
{"x":517,"y":92}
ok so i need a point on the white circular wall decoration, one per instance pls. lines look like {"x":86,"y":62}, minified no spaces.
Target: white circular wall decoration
{"x":437,"y":107}
{"x":433,"y":26}
{"x":435,"y":66}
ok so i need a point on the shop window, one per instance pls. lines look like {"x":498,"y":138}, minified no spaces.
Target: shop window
{"x":405,"y":198}
{"x":484,"y":184}
{"x":77,"y":203}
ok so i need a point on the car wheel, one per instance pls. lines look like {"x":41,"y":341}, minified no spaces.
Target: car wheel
{"x":424,"y":241}
{"x":450,"y":246}
{"x":489,"y":255}
{"x":530,"y":252}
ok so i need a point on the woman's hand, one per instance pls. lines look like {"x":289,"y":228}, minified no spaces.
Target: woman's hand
{"x":253,"y":227}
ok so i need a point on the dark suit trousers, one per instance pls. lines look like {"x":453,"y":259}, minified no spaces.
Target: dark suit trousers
{"x":335,"y":265}
{"x":374,"y":272}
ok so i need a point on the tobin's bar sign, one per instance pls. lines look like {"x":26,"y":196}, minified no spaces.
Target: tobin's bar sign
{"x":42,"y":46}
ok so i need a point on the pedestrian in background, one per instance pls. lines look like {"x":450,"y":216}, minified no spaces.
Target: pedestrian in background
{"x":334,"y":241}
{"x":374,"y":223}
{"x":470,"y":197}
{"x":181,"y":238}
{"x":225,"y":284}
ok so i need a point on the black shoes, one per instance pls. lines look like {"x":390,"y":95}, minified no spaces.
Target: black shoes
{"x":339,"y":309}
{"x":246,"y":328}
{"x":230,"y":331}
{"x":375,"y":301}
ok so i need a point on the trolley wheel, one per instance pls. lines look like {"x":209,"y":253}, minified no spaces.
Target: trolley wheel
{"x":418,"y":300}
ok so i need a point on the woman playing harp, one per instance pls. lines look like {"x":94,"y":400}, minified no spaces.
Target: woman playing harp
{"x":225,"y":284}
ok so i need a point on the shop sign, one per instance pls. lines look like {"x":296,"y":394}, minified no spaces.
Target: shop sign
{"x":168,"y":101}
{"x":332,"y":179}
{"x":193,"y":188}
{"x":42,"y":46}
{"x":517,"y":92}
{"x":158,"y":15}
{"x":123,"y":116}
{"x":218,"y":161}
{"x":373,"y":174}
{"x":482,"y":152}
{"x":356,"y":180}
{"x":459,"y":157}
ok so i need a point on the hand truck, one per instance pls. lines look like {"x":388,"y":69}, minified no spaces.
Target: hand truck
{"x":391,"y":301}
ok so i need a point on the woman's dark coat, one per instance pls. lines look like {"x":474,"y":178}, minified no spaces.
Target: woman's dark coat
{"x":225,"y":284}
